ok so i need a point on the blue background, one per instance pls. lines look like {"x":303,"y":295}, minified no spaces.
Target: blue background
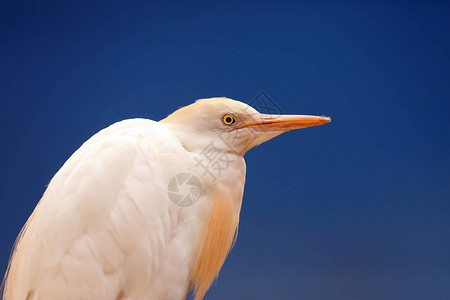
{"x":355,"y":209}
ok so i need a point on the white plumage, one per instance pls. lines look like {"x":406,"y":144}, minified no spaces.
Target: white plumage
{"x":106,"y":228}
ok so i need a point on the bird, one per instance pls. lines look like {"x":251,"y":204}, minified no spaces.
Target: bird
{"x":144,"y":209}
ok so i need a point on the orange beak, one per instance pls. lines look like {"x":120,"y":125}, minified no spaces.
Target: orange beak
{"x":283,"y":122}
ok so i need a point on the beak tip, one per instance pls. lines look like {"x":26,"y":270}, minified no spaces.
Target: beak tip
{"x":325,"y":119}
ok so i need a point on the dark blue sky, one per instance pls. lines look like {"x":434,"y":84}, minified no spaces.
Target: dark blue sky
{"x":356,"y":209}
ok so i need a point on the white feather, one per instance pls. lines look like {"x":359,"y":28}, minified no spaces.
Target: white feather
{"x":105,"y":227}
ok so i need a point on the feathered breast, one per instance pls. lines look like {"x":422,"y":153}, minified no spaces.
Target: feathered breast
{"x":215,"y":244}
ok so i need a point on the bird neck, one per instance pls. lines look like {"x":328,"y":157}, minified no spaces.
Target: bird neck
{"x":216,"y":241}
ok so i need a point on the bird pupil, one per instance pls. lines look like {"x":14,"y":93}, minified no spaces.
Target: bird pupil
{"x":229,"y":120}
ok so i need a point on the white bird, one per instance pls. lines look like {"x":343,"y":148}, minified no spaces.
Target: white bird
{"x":144,"y":209}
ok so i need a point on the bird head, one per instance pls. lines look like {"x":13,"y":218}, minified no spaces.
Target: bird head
{"x":231,"y":126}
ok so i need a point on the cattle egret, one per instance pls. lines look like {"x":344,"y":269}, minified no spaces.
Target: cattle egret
{"x":144,"y":209}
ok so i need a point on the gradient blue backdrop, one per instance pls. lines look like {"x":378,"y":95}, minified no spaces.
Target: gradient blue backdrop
{"x":356,"y":209}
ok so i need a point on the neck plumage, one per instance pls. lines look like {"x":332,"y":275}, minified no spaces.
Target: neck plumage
{"x":215,"y":243}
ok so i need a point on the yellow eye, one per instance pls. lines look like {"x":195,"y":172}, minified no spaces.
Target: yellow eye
{"x":228,"y":119}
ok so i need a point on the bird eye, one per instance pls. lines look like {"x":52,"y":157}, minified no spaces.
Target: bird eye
{"x":228,"y":119}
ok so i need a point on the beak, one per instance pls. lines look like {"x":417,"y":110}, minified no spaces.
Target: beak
{"x":283,"y":122}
